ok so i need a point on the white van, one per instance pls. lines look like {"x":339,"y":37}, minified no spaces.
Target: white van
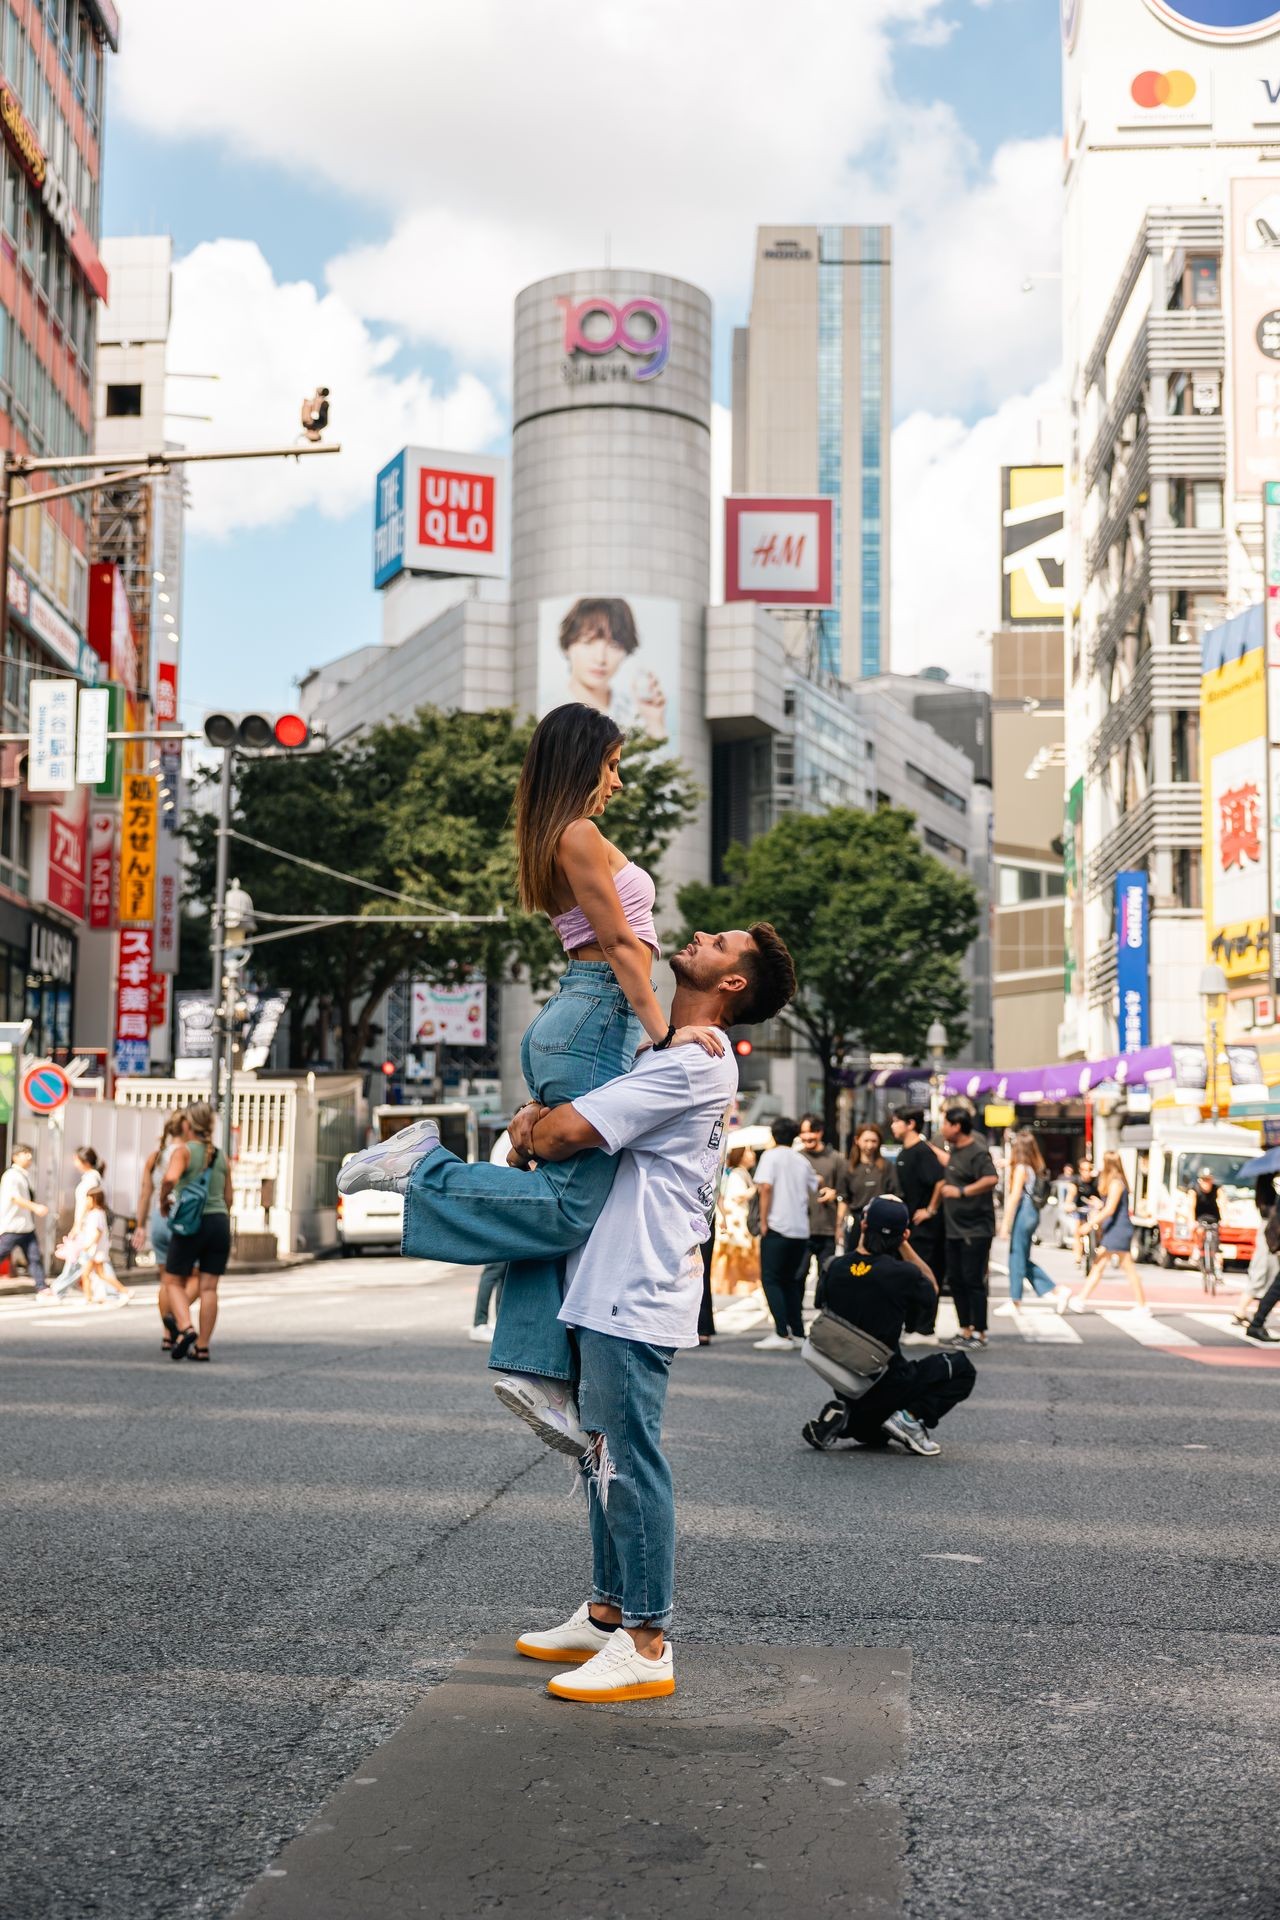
{"x":1162,"y":1176}
{"x":372,"y":1219}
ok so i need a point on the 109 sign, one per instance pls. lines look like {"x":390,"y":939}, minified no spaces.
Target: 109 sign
{"x":595,"y":327}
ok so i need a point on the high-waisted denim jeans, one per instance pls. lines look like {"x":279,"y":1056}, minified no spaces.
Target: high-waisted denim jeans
{"x":586,"y":1034}
{"x":1021,"y":1265}
{"x":633,"y":1511}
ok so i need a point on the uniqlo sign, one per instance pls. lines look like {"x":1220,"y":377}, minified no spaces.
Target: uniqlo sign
{"x":778,"y":552}
{"x":439,"y":513}
{"x":102,"y":869}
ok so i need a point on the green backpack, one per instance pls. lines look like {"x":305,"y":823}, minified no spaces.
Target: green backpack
{"x":188,"y":1210}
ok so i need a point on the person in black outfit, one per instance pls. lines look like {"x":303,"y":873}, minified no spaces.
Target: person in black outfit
{"x":969,"y":1214}
{"x":874,"y":1289}
{"x":917,"y":1176}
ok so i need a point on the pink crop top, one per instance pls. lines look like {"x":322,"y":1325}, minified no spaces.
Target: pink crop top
{"x":637,"y":893}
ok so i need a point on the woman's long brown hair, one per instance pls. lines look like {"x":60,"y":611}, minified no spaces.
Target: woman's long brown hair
{"x":560,"y":782}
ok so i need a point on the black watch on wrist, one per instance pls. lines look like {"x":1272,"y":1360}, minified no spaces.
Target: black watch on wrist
{"x":660,"y":1046}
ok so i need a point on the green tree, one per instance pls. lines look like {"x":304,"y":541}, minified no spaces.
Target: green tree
{"x":423,"y":808}
{"x":876,"y":925}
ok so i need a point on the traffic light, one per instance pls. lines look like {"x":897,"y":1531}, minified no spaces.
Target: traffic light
{"x":257,"y":731}
{"x":742,"y":1048}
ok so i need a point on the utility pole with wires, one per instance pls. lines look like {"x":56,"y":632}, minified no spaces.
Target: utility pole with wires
{"x":235,"y":919}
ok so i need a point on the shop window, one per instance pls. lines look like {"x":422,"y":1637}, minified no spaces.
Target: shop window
{"x":124,"y":402}
{"x":1196,"y":504}
{"x":1186,"y":747}
{"x":1187,"y":879}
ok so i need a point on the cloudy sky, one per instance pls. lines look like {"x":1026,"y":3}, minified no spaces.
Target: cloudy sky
{"x":355,"y":195}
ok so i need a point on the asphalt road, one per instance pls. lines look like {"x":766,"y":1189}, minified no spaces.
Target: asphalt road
{"x":223,"y":1587}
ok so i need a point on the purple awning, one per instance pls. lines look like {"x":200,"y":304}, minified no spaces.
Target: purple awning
{"x":1072,"y":1079}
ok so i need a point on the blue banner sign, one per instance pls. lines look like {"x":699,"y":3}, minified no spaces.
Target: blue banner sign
{"x":1133,"y":959}
{"x":388,"y":522}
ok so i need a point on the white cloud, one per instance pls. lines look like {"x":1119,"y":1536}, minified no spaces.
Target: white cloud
{"x":931,"y":33}
{"x":500,"y":143}
{"x":946,"y":527}
{"x":269,"y":344}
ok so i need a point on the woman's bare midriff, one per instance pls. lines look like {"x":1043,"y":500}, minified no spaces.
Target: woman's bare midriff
{"x":594,"y":952}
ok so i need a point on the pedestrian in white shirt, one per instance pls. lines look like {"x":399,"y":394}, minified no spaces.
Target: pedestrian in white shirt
{"x":19,"y":1211}
{"x":633,"y":1296}
{"x":785,"y":1181}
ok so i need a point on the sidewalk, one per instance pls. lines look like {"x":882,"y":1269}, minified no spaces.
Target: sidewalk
{"x":147,"y":1276}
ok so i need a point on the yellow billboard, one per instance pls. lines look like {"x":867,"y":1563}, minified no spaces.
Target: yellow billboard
{"x":1033,"y":546}
{"x":1233,"y":772}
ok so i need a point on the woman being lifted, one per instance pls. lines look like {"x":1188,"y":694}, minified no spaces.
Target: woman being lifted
{"x":601,"y":905}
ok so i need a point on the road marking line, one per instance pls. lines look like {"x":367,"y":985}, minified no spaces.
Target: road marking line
{"x":1049,"y":1330}
{"x":1147,"y":1332}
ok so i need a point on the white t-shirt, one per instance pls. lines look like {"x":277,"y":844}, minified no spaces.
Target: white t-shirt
{"x":792,"y":1179}
{"x":640,"y":1274}
{"x":14,"y":1185}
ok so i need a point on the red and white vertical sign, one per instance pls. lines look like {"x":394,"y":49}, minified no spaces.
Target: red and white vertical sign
{"x":102,"y":869}
{"x":68,"y":836}
{"x":133,"y":1001}
{"x":167,"y":693}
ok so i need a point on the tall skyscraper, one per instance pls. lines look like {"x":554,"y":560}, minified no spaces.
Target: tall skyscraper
{"x":811,"y":414}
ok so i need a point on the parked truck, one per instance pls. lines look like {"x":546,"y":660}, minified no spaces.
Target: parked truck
{"x":1162,"y":1176}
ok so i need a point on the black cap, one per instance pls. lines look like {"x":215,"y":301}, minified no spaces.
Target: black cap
{"x":886,"y":1218}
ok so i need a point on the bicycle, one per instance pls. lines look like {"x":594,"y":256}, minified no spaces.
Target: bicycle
{"x":1210,"y":1253}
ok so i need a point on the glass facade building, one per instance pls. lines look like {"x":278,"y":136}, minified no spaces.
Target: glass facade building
{"x":811,"y":414}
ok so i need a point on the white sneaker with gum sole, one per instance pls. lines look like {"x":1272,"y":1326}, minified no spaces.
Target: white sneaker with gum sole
{"x":617,"y":1672}
{"x":578,"y":1639}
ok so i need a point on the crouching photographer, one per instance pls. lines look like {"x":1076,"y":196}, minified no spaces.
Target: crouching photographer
{"x":854,"y":1344}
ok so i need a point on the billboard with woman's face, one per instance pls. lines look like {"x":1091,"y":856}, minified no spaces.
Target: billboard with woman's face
{"x":620,"y":656}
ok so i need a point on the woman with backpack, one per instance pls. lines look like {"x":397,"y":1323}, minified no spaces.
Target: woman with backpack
{"x":195,"y":1197}
{"x":1028,"y":1191}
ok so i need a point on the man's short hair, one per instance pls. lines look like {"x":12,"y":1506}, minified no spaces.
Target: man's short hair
{"x":784,"y":1132}
{"x":813,"y":1121}
{"x":771,"y":977}
{"x":910,"y":1117}
{"x":959,"y":1117}
{"x":22,"y":1147}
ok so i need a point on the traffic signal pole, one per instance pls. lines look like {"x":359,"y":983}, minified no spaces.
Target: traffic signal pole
{"x":219,"y":938}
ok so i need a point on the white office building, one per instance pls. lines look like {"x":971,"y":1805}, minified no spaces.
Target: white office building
{"x":1171,"y":269}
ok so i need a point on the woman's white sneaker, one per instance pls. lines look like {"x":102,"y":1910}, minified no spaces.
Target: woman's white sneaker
{"x":774,"y":1343}
{"x":578,"y":1639}
{"x":547,"y":1406}
{"x":387,"y":1167}
{"x":617,"y":1672}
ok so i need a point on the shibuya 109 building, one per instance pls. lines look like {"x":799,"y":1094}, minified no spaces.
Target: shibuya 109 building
{"x":580,"y":567}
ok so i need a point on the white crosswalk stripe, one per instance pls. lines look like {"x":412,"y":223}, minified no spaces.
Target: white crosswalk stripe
{"x":1146,"y":1329}
{"x":1220,"y":1322}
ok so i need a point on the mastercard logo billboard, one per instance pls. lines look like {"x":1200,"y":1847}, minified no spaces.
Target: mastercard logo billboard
{"x":1171,"y":90}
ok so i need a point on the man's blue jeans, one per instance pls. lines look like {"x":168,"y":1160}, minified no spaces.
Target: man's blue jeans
{"x":586,"y":1034}
{"x":622,"y":1394}
{"x":1021,"y":1265}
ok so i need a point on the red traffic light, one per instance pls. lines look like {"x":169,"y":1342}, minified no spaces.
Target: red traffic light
{"x":742,"y":1047}
{"x":257,"y":732}
{"x":388,"y":1067}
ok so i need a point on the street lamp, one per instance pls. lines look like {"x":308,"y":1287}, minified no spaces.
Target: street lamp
{"x":936,"y":1042}
{"x":1213,"y":988}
